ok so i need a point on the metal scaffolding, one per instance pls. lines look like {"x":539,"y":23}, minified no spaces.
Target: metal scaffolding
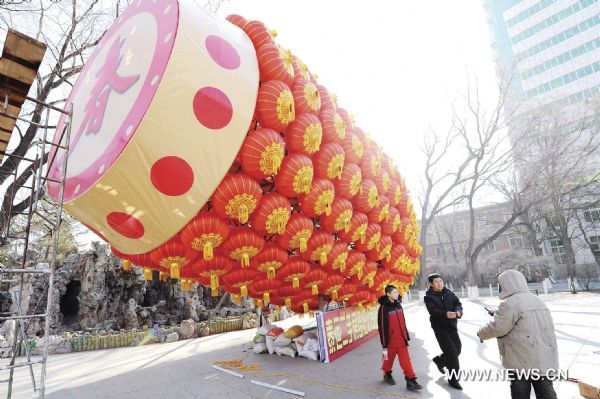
{"x":20,"y":316}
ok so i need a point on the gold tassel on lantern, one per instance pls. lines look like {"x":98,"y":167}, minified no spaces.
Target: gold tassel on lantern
{"x":288,"y":302}
{"x":303,"y":245}
{"x":214,"y":282}
{"x":359,"y":274}
{"x":315,"y":289}
{"x":328,"y":208}
{"x":276,"y":160}
{"x":126,"y":265}
{"x":243,"y":213}
{"x":323,"y":257}
{"x":208,"y":251}
{"x":305,"y":307}
{"x":214,"y":292}
{"x":259,"y":303}
{"x":162,"y":276}
{"x":371,"y":282}
{"x":236,"y":299}
{"x":244,"y":290}
{"x":266,"y":298}
{"x":334,"y":295}
{"x":183,"y":285}
{"x":343,"y":265}
{"x":147,"y":274}
{"x":363,"y":237}
{"x":360,"y":306}
{"x":175,"y":270}
{"x":245,"y":259}
{"x":271,"y":273}
{"x":295,"y":282}
{"x":388,"y":255}
{"x":281,"y":227}
{"x":311,"y":314}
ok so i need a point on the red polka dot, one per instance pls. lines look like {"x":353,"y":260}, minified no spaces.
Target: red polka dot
{"x":212,"y":108}
{"x":172,"y":176}
{"x":126,"y":225}
{"x":222,"y":52}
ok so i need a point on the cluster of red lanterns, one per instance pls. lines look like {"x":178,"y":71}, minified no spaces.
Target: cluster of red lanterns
{"x":312,"y":206}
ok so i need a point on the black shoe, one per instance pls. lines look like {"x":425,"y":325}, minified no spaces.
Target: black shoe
{"x":455,"y":384}
{"x":413,"y":385}
{"x":388,"y":378}
{"x":440,"y":364}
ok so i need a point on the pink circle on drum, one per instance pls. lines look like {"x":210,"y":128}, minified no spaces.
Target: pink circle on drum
{"x":222,"y":52}
{"x":212,"y":108}
{"x":109,"y":81}
{"x":127,"y":225}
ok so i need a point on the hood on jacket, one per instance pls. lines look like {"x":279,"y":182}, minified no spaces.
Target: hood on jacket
{"x":384,"y":300}
{"x":511,"y":282}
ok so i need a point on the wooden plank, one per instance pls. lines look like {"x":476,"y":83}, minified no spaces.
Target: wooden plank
{"x":16,"y":71}
{"x":24,"y":47}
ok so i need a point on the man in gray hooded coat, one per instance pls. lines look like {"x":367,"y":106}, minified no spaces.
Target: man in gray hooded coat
{"x":525,"y":332}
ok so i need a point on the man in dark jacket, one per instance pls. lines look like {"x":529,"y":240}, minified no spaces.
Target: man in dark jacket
{"x":444,"y":310}
{"x":394,"y":338}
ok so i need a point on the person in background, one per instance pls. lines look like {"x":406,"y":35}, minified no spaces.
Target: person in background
{"x":394,"y":338}
{"x":524,"y":329}
{"x":444,"y":310}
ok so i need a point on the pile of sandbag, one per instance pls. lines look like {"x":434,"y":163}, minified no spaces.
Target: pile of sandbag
{"x":272,"y":339}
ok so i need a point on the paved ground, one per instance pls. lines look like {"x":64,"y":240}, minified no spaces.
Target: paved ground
{"x":183,"y":369}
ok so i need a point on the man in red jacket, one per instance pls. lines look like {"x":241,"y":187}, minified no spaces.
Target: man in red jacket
{"x":394,"y":338}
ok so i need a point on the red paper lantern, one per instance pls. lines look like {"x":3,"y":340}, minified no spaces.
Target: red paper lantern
{"x":372,"y":236}
{"x":294,"y":270}
{"x":297,"y":233}
{"x":306,"y":97}
{"x":334,"y":129}
{"x":382,"y":181}
{"x":360,"y":299}
{"x":353,"y":147}
{"x":205,"y":233}
{"x":394,"y":193}
{"x":368,"y":274}
{"x":295,"y":176}
{"x":329,"y":161}
{"x":397,"y":260}
{"x":347,"y":291}
{"x":350,"y":183}
{"x":381,"y":211}
{"x":319,"y":200}
{"x":238,"y":281}
{"x":270,"y":259}
{"x":401,"y":236}
{"x":237,"y":20}
{"x":258,"y":33}
{"x":301,"y":70}
{"x":392,"y":223}
{"x":382,"y":250}
{"x":367,"y":197}
{"x":332,"y":285}
{"x":345,"y":117}
{"x":326,"y":101}
{"x":242,"y":245}
{"x":262,"y":290}
{"x":354,"y":263}
{"x":173,"y":256}
{"x":272,"y":214}
{"x":358,"y":228}
{"x":262,"y":153}
{"x":403,"y":206}
{"x":337,"y":257}
{"x":304,"y":302}
{"x":275,"y":105}
{"x":319,"y":246}
{"x":236,"y":197}
{"x":213,"y":269}
{"x":313,"y":279}
{"x":339,"y":218}
{"x":382,"y":279}
{"x":304,"y":134}
{"x":287,"y":292}
{"x":275,"y":63}
{"x":370,"y":164}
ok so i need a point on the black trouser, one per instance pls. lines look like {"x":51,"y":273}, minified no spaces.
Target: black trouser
{"x":450,"y":345}
{"x":521,"y":389}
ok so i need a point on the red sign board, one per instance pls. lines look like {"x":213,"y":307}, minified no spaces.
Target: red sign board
{"x":342,"y":330}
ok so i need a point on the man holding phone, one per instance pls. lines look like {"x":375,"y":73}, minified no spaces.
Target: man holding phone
{"x":444,"y":310}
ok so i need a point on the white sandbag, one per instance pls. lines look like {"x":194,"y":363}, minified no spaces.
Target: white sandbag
{"x":302,"y":339}
{"x":286,"y":351}
{"x":265,"y":329}
{"x":312,"y":345}
{"x":309,"y":355}
{"x":259,"y":339}
{"x":282,"y":341}
{"x":259,"y":348}
{"x":270,"y":341}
